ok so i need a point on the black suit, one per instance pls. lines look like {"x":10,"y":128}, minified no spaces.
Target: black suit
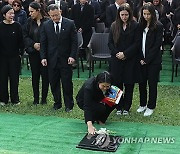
{"x":111,"y":12}
{"x":150,"y":71}
{"x":57,"y":48}
{"x":174,"y":5}
{"x":83,"y":19}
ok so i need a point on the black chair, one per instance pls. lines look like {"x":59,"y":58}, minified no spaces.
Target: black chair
{"x":79,"y":54}
{"x":100,"y":27}
{"x":175,"y":56}
{"x":99,"y":50}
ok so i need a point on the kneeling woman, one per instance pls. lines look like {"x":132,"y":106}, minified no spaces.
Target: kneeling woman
{"x":89,"y":99}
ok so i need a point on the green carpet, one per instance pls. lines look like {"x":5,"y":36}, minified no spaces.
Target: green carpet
{"x":165,"y":75}
{"x":29,"y":134}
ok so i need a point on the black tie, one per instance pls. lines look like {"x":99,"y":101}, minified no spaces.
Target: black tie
{"x":57,"y":27}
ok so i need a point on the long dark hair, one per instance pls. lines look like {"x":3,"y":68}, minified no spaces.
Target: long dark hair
{"x":104,"y":77}
{"x":118,"y":23}
{"x":37,"y":6}
{"x":143,"y":23}
{"x":159,"y":8}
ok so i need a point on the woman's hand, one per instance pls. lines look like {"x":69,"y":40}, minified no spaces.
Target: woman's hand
{"x":142,"y":62}
{"x":178,"y":26}
{"x":120,"y":55}
{"x":91,"y":128}
{"x":37,"y":46}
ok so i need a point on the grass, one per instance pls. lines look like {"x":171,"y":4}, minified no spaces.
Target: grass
{"x":166,"y":113}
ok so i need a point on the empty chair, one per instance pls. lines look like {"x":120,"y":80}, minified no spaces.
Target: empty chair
{"x":175,"y":56}
{"x":99,"y":50}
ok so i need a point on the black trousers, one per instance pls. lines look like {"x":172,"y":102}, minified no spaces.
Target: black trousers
{"x":126,"y":100}
{"x":86,"y":37}
{"x":9,"y":71}
{"x":150,"y":76}
{"x":101,"y":112}
{"x":39,"y":71}
{"x":62,"y":74}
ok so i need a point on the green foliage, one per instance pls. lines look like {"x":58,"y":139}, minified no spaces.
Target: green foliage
{"x":166,"y":112}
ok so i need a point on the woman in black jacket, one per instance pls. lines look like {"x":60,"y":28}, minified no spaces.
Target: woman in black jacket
{"x":124,"y":40}
{"x":89,"y":99}
{"x":11,"y":49}
{"x":150,"y":57}
{"x":32,"y":45}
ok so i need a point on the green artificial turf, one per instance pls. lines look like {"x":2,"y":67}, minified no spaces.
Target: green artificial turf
{"x":28,"y":134}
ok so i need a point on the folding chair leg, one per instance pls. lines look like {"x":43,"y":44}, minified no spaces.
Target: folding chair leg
{"x":78,"y":68}
{"x":92,"y":66}
{"x":172,"y":73}
{"x":90,"y":63}
{"x":176,"y":69}
{"x":100,"y":64}
{"x":27,"y":61}
{"x":82,"y":64}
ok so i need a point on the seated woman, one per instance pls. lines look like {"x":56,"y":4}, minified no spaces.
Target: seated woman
{"x":89,"y":99}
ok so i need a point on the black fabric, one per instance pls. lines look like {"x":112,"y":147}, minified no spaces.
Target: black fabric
{"x":83,"y":19}
{"x":125,"y":71}
{"x":38,"y":70}
{"x":11,"y":39}
{"x":57,"y":27}
{"x":150,"y":76}
{"x":9,"y":70}
{"x":100,"y":142}
{"x":31,"y":33}
{"x":62,"y":74}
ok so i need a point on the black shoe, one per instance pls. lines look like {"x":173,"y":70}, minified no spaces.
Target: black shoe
{"x":35,"y":102}
{"x":68,"y":109}
{"x":43,"y":102}
{"x":16,"y":103}
{"x":57,"y":106}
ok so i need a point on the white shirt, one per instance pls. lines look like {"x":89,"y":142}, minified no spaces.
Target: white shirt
{"x":144,"y":40}
{"x":169,"y":1}
{"x":60,"y":21}
{"x":57,"y":2}
{"x":75,"y":1}
{"x":117,"y":6}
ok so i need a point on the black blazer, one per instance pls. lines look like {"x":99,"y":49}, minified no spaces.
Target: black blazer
{"x":125,"y":71}
{"x":111,"y":12}
{"x":61,"y":46}
{"x":153,"y":44}
{"x":88,"y":96}
{"x":83,"y":19}
{"x":31,"y":33}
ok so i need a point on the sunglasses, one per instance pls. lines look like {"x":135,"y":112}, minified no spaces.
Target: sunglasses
{"x":16,"y":5}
